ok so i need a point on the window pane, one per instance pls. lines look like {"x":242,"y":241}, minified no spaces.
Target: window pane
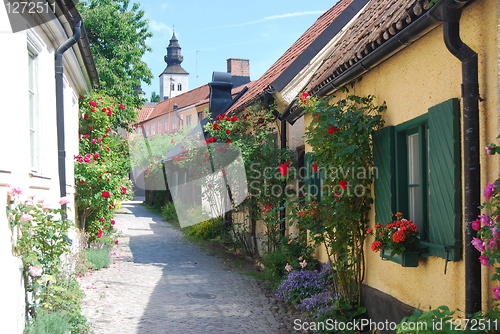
{"x":415,"y":204}
{"x":413,"y":159}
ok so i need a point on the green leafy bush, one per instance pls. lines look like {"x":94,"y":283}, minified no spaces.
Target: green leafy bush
{"x":169,"y":213}
{"x":49,"y":323}
{"x":207,"y":230}
{"x":99,"y":257}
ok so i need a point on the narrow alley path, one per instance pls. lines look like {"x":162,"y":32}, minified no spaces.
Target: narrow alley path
{"x":160,"y":283}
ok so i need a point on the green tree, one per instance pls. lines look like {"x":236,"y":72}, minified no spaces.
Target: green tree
{"x":154,"y":97}
{"x":117,"y":34}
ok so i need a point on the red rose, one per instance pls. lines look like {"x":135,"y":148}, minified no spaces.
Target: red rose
{"x":314,"y":167}
{"x":333,"y":129}
{"x":343,"y":184}
{"x":267,"y":208}
{"x":216,"y":126}
{"x":228,"y":131}
{"x":122,"y":106}
{"x":283,"y":169}
{"x":234,"y":118}
{"x":105,"y":194}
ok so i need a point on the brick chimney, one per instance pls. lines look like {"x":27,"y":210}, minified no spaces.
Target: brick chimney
{"x":238,"y":67}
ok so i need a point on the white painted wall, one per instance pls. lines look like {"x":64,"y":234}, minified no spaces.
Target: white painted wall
{"x":15,"y":166}
{"x":182,"y":79}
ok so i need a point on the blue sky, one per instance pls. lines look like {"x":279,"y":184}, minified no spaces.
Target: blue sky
{"x":210,"y":32}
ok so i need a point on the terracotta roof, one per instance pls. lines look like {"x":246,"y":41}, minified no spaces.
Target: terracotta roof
{"x":264,"y":82}
{"x":144,"y":112}
{"x":188,"y":98}
{"x":380,"y":20}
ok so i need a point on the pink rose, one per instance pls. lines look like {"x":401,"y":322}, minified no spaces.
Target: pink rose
{"x":288,"y":267}
{"x":476,"y":225}
{"x":26,"y":217}
{"x":14,"y":191}
{"x":35,"y":271}
{"x":64,"y":200}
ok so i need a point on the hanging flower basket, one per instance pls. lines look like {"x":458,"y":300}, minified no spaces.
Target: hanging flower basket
{"x":405,"y":259}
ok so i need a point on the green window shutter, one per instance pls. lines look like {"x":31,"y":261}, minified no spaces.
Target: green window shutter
{"x":313,"y":180}
{"x":384,"y":161}
{"x":444,"y":181}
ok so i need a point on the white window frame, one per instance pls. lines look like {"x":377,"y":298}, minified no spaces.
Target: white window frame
{"x":34,"y":47}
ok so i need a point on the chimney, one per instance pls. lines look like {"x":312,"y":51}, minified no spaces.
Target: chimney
{"x":238,"y":67}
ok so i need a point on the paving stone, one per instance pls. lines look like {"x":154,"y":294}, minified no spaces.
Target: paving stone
{"x":160,"y":283}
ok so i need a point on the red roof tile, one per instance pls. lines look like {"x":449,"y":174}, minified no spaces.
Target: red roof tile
{"x":292,"y":53}
{"x":144,"y":112}
{"x":379,"y":21}
{"x":188,"y":98}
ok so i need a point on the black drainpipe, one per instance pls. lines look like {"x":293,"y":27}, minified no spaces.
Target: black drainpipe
{"x":283,"y":145}
{"x":60,"y":107}
{"x":452,"y":11}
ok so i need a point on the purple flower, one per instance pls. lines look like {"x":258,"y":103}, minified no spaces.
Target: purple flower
{"x":484,"y":260}
{"x":299,"y":285}
{"x":486,"y":220}
{"x":478,"y":243}
{"x":496,"y":292}
{"x":488,"y":149}
{"x":488,"y":191}
{"x":493,"y":244}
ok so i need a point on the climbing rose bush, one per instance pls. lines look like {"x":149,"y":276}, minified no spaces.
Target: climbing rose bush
{"x":488,"y":226}
{"x":102,"y":167}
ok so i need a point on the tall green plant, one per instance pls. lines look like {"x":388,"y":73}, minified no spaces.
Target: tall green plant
{"x":117,"y":32}
{"x":41,"y":240}
{"x":340,"y":135}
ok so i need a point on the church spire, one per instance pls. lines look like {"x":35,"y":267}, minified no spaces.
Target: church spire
{"x":173,"y":56}
{"x":174,"y":80}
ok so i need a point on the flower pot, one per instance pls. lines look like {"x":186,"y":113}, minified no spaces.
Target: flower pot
{"x":406,"y":259}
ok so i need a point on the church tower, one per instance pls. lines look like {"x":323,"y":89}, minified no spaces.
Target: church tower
{"x":174,"y":80}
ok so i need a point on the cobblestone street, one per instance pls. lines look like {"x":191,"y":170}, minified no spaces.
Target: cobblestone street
{"x":160,"y":283}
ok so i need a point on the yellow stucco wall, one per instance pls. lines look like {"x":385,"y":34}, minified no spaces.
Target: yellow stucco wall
{"x":417,"y":78}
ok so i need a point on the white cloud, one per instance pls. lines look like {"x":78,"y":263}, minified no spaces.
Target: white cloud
{"x":268,"y":18}
{"x":159,"y":26}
